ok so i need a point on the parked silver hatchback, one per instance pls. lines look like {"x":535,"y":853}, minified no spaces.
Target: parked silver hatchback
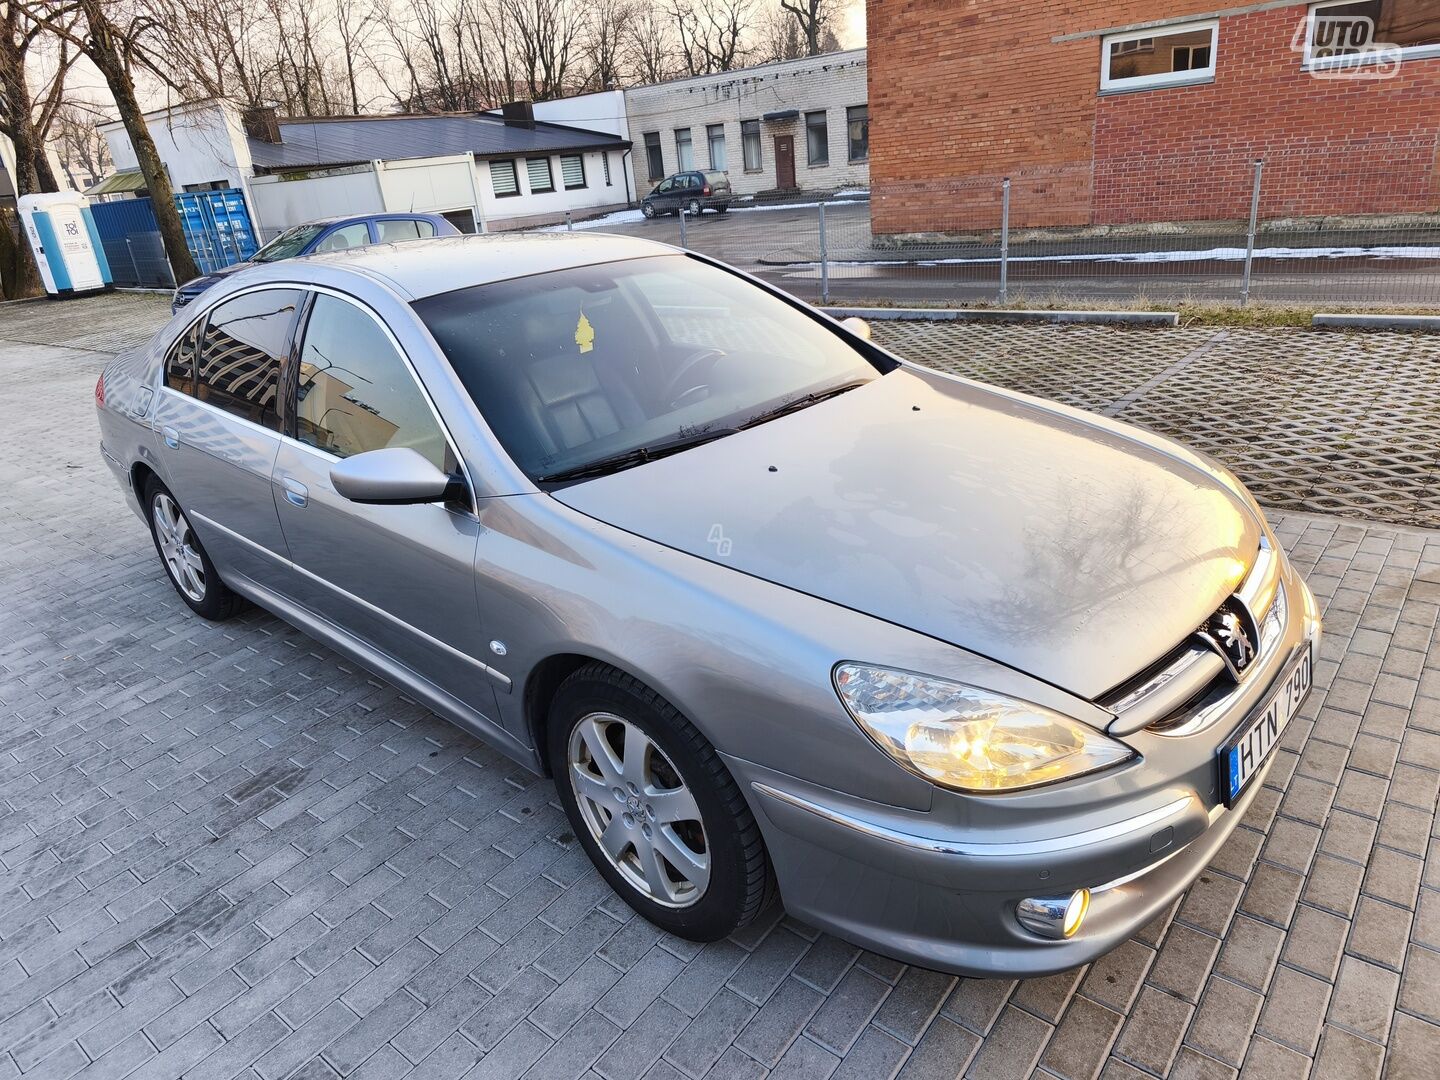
{"x":977,"y":681}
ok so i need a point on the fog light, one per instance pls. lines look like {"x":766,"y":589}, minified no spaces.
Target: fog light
{"x":1054,"y":917}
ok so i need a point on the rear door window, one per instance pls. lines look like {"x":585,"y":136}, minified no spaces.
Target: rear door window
{"x":392,"y":229}
{"x":245,"y":342}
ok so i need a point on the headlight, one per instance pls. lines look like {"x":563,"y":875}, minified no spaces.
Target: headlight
{"x":969,"y":739}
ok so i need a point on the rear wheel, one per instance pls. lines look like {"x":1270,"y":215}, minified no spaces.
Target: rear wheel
{"x":654,"y":806}
{"x":186,"y":563}
{"x":693,"y":208}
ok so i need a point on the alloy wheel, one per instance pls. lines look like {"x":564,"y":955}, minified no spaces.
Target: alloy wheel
{"x":177,"y":547}
{"x":639,"y":810}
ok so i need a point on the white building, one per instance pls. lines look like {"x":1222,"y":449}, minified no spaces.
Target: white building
{"x":481,"y":170}
{"x":794,"y":125}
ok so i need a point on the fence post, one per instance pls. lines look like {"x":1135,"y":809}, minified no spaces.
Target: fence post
{"x":1250,"y":234}
{"x":824,"y":260}
{"x":569,"y":223}
{"x":1005,"y":240}
{"x":683,"y":244}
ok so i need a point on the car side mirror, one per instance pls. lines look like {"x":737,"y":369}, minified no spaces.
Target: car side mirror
{"x":858,"y":327}
{"x":394,"y":476}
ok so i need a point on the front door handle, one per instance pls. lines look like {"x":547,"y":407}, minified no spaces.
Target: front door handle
{"x":296,"y":493}
{"x":171,"y":437}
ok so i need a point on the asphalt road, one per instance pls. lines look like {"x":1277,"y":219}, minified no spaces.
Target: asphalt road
{"x":782,"y":245}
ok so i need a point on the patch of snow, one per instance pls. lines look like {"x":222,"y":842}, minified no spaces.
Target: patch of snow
{"x":1219,"y":254}
{"x":619,"y":217}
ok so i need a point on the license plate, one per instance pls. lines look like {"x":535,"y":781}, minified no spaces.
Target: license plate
{"x":1243,"y":755}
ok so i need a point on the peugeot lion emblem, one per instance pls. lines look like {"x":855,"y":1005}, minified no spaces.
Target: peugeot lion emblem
{"x":1232,"y":633}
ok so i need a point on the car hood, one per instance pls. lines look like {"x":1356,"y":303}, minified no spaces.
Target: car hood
{"x":1063,"y":548}
{"x":204,"y":281}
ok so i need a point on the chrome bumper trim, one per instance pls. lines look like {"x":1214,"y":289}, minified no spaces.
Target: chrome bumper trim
{"x":1143,"y":822}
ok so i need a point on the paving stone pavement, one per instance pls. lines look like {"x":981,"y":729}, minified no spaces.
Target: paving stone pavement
{"x":226,"y":851}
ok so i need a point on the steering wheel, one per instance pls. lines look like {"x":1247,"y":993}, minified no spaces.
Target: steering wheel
{"x":691,"y":366}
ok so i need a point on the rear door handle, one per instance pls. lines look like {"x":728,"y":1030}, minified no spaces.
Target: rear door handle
{"x":171,"y":437}
{"x":296,"y":493}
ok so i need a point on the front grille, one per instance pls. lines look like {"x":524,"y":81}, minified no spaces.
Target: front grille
{"x":1184,"y":691}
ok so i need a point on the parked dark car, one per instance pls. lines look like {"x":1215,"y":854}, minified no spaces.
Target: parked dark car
{"x":690,"y":191}
{"x":328,"y":234}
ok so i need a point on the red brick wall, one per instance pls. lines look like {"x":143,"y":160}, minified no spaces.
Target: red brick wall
{"x":965,"y":92}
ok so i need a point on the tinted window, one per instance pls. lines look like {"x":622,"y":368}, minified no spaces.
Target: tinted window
{"x":180,"y":362}
{"x":400,"y":229}
{"x":576,"y":365}
{"x":857,"y":123}
{"x":355,"y":392}
{"x":245,"y":339}
{"x":351,"y":236}
{"x":653,"y":160}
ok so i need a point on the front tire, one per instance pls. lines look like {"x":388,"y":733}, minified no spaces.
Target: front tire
{"x":654,"y":806}
{"x":186,"y":563}
{"x":647,"y":210}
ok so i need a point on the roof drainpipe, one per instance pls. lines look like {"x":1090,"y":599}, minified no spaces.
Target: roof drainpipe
{"x":625,"y":171}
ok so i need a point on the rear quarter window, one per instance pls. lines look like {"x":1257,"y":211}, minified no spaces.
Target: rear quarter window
{"x":180,"y":362}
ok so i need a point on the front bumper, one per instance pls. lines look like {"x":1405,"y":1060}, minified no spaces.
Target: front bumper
{"x":940,"y":889}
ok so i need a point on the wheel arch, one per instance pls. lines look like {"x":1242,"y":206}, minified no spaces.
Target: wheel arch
{"x":540,"y":687}
{"x":141,"y":475}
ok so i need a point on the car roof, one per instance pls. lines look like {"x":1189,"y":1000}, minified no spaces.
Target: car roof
{"x":342,"y":219}
{"x":419,"y":268}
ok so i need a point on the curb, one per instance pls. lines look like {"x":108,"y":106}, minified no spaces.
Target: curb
{"x":1334,"y":321}
{"x":1000,"y":315}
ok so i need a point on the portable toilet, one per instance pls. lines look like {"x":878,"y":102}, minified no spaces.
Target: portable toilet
{"x":67,"y":247}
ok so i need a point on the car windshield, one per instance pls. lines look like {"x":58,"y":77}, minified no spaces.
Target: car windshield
{"x":288,"y":244}
{"x":578,"y":370}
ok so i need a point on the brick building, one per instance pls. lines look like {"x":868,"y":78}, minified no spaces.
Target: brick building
{"x":795,"y":125}
{"x":1106,"y":112}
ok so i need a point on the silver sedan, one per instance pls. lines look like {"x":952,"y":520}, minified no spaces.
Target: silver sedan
{"x":974,"y":680}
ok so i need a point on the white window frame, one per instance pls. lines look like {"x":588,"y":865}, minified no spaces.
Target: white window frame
{"x":1391,"y":55}
{"x":1163,"y":78}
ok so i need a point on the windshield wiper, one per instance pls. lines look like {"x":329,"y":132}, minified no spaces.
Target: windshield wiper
{"x":639,"y":456}
{"x":804,"y":401}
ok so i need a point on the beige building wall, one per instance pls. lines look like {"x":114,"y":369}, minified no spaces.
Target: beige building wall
{"x":831,"y":83}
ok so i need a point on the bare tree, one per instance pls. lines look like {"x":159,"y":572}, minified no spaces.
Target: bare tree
{"x":606,"y":33}
{"x":81,"y":147}
{"x":650,"y":45}
{"x":813,"y":18}
{"x":777,"y":37}
{"x":712,"y":33}
{"x":112,"y":34}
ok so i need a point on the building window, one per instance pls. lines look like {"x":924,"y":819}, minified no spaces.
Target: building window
{"x":572,"y":171}
{"x":537,"y":171}
{"x":857,"y":124}
{"x":715,"y":133}
{"x":605,"y":157}
{"x":750,"y":144}
{"x":502,"y":179}
{"x":684,"y":154}
{"x":1173,"y":56}
{"x":817,"y":139}
{"x":654,"y":160}
{"x":1348,"y":34}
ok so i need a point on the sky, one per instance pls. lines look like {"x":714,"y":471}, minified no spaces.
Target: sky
{"x":86,"y":83}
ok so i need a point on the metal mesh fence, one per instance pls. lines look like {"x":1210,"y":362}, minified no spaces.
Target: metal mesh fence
{"x":1356,"y":230}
